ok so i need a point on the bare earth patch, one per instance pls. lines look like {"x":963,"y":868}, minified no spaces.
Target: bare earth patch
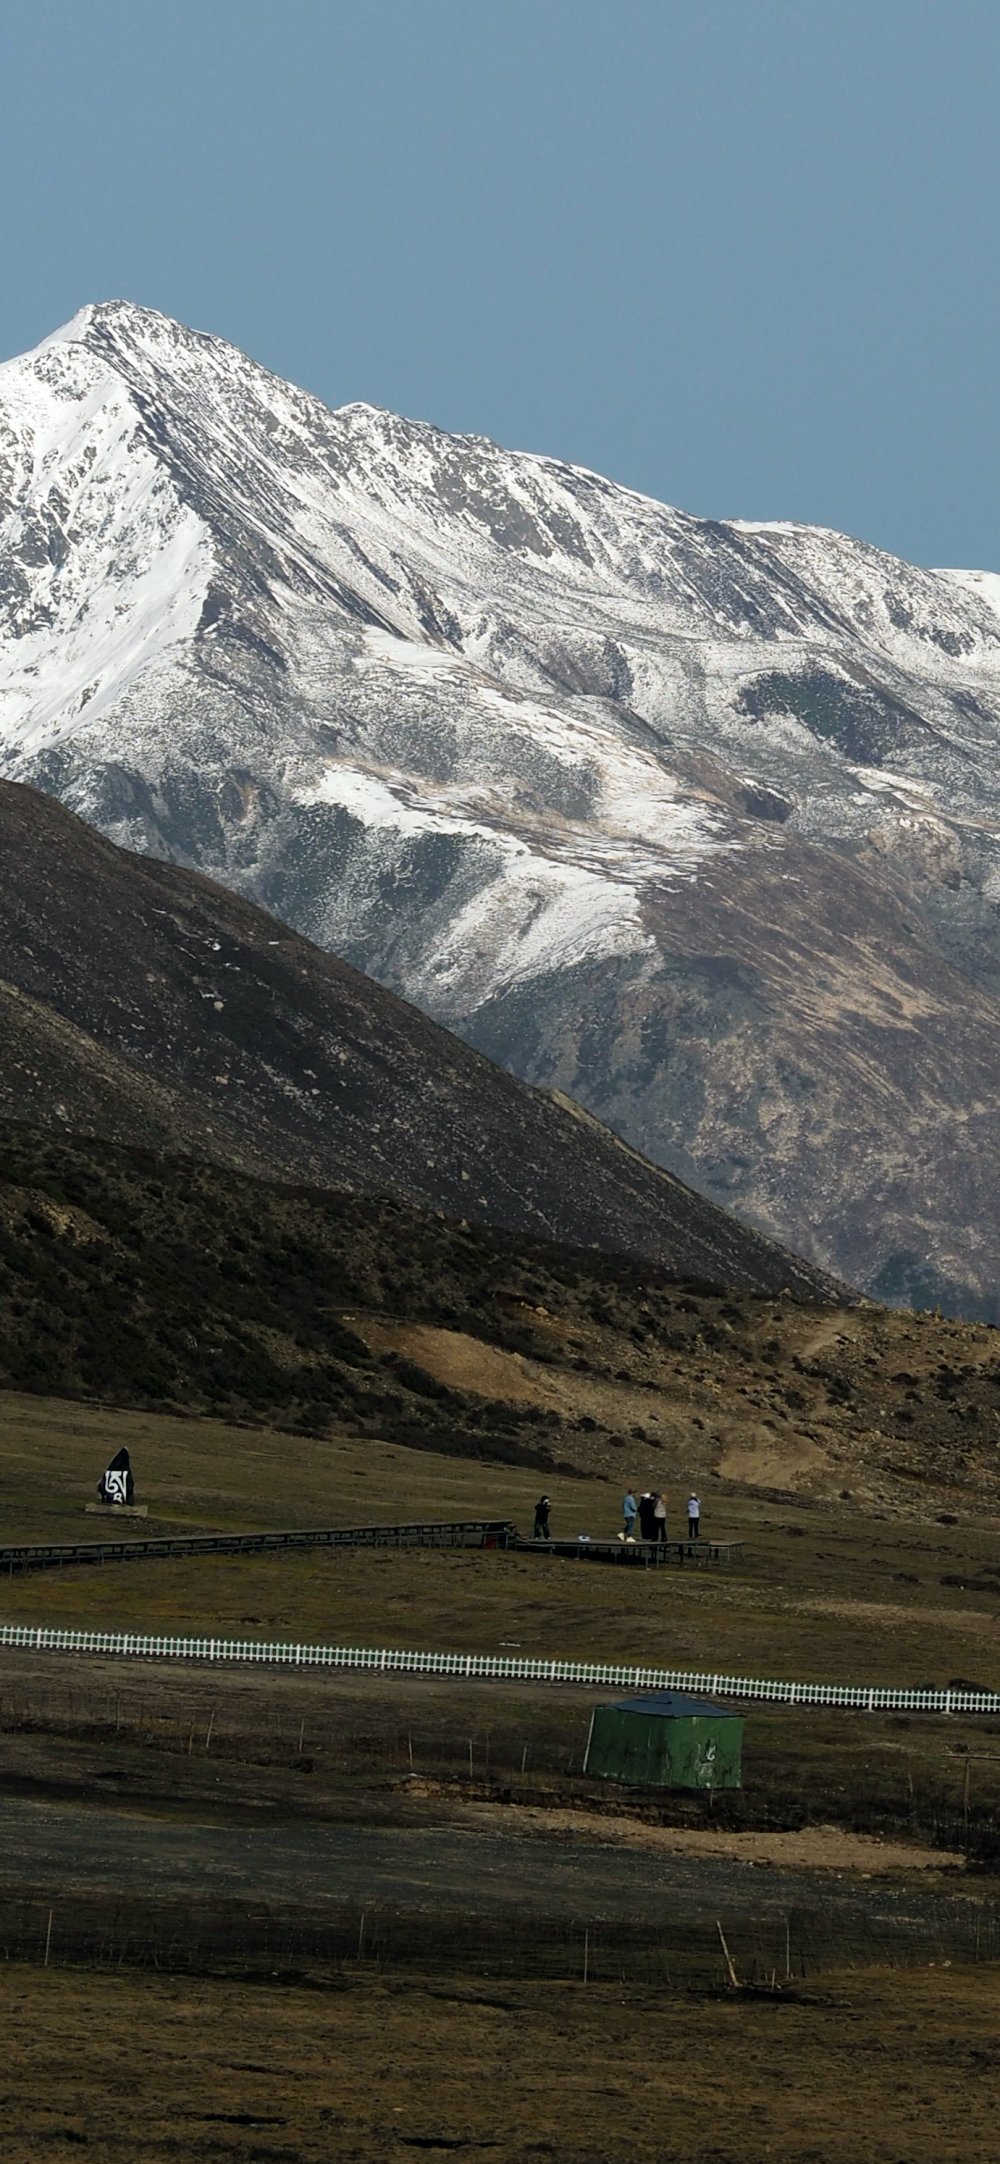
{"x":460,"y":1361}
{"x":814,"y":1848}
{"x":883,"y":1614}
{"x":762,"y":1459}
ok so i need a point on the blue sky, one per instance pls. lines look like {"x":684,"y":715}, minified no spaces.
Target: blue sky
{"x":740,"y":254}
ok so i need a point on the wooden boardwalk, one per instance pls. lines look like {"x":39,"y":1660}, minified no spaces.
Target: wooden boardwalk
{"x":451,"y":1533}
{"x":447,"y":1533}
{"x":648,"y":1554}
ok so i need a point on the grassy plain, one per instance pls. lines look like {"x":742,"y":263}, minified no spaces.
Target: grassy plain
{"x":888,"y":2067}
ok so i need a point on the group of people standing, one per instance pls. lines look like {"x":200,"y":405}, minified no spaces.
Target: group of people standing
{"x":651,"y":1511}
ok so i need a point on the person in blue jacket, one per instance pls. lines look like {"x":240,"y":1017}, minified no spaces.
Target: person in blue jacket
{"x":629,"y":1507}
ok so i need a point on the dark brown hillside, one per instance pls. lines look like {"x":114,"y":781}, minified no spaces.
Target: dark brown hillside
{"x":144,"y":1004}
{"x":137,"y":1279}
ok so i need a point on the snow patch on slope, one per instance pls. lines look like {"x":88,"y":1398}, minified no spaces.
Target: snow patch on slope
{"x":642,"y":824}
{"x":531,"y":915}
{"x":537,"y":919}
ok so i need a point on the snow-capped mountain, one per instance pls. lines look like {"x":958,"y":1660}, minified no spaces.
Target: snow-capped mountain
{"x":696,"y":820}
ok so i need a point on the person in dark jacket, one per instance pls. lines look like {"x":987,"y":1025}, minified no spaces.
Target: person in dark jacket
{"x":542,"y":1508}
{"x":647,"y":1522}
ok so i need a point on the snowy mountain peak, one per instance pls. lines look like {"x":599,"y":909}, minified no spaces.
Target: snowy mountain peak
{"x":363,"y":509}
{"x":531,"y":747}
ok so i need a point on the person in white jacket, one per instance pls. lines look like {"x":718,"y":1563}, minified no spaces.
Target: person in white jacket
{"x":694,"y":1517}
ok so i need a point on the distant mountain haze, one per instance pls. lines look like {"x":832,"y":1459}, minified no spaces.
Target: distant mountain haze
{"x":697,"y":822}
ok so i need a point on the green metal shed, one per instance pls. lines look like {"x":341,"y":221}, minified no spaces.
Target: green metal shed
{"x":665,"y":1740}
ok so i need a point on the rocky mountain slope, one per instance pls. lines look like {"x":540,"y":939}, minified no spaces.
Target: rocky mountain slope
{"x":696,"y":821}
{"x":143,"y":1004}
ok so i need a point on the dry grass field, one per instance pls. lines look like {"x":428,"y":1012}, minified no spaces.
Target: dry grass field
{"x":882,"y":2068}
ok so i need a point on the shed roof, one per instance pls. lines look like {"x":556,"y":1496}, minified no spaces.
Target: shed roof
{"x":672,"y":1705}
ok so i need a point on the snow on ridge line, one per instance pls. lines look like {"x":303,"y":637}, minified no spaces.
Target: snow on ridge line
{"x":774,"y":525}
{"x":152,"y":328}
{"x":156,"y":322}
{"x":984,"y":584}
{"x":72,"y":333}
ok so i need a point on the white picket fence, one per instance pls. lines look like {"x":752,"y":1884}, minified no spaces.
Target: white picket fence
{"x":138,"y":1645}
